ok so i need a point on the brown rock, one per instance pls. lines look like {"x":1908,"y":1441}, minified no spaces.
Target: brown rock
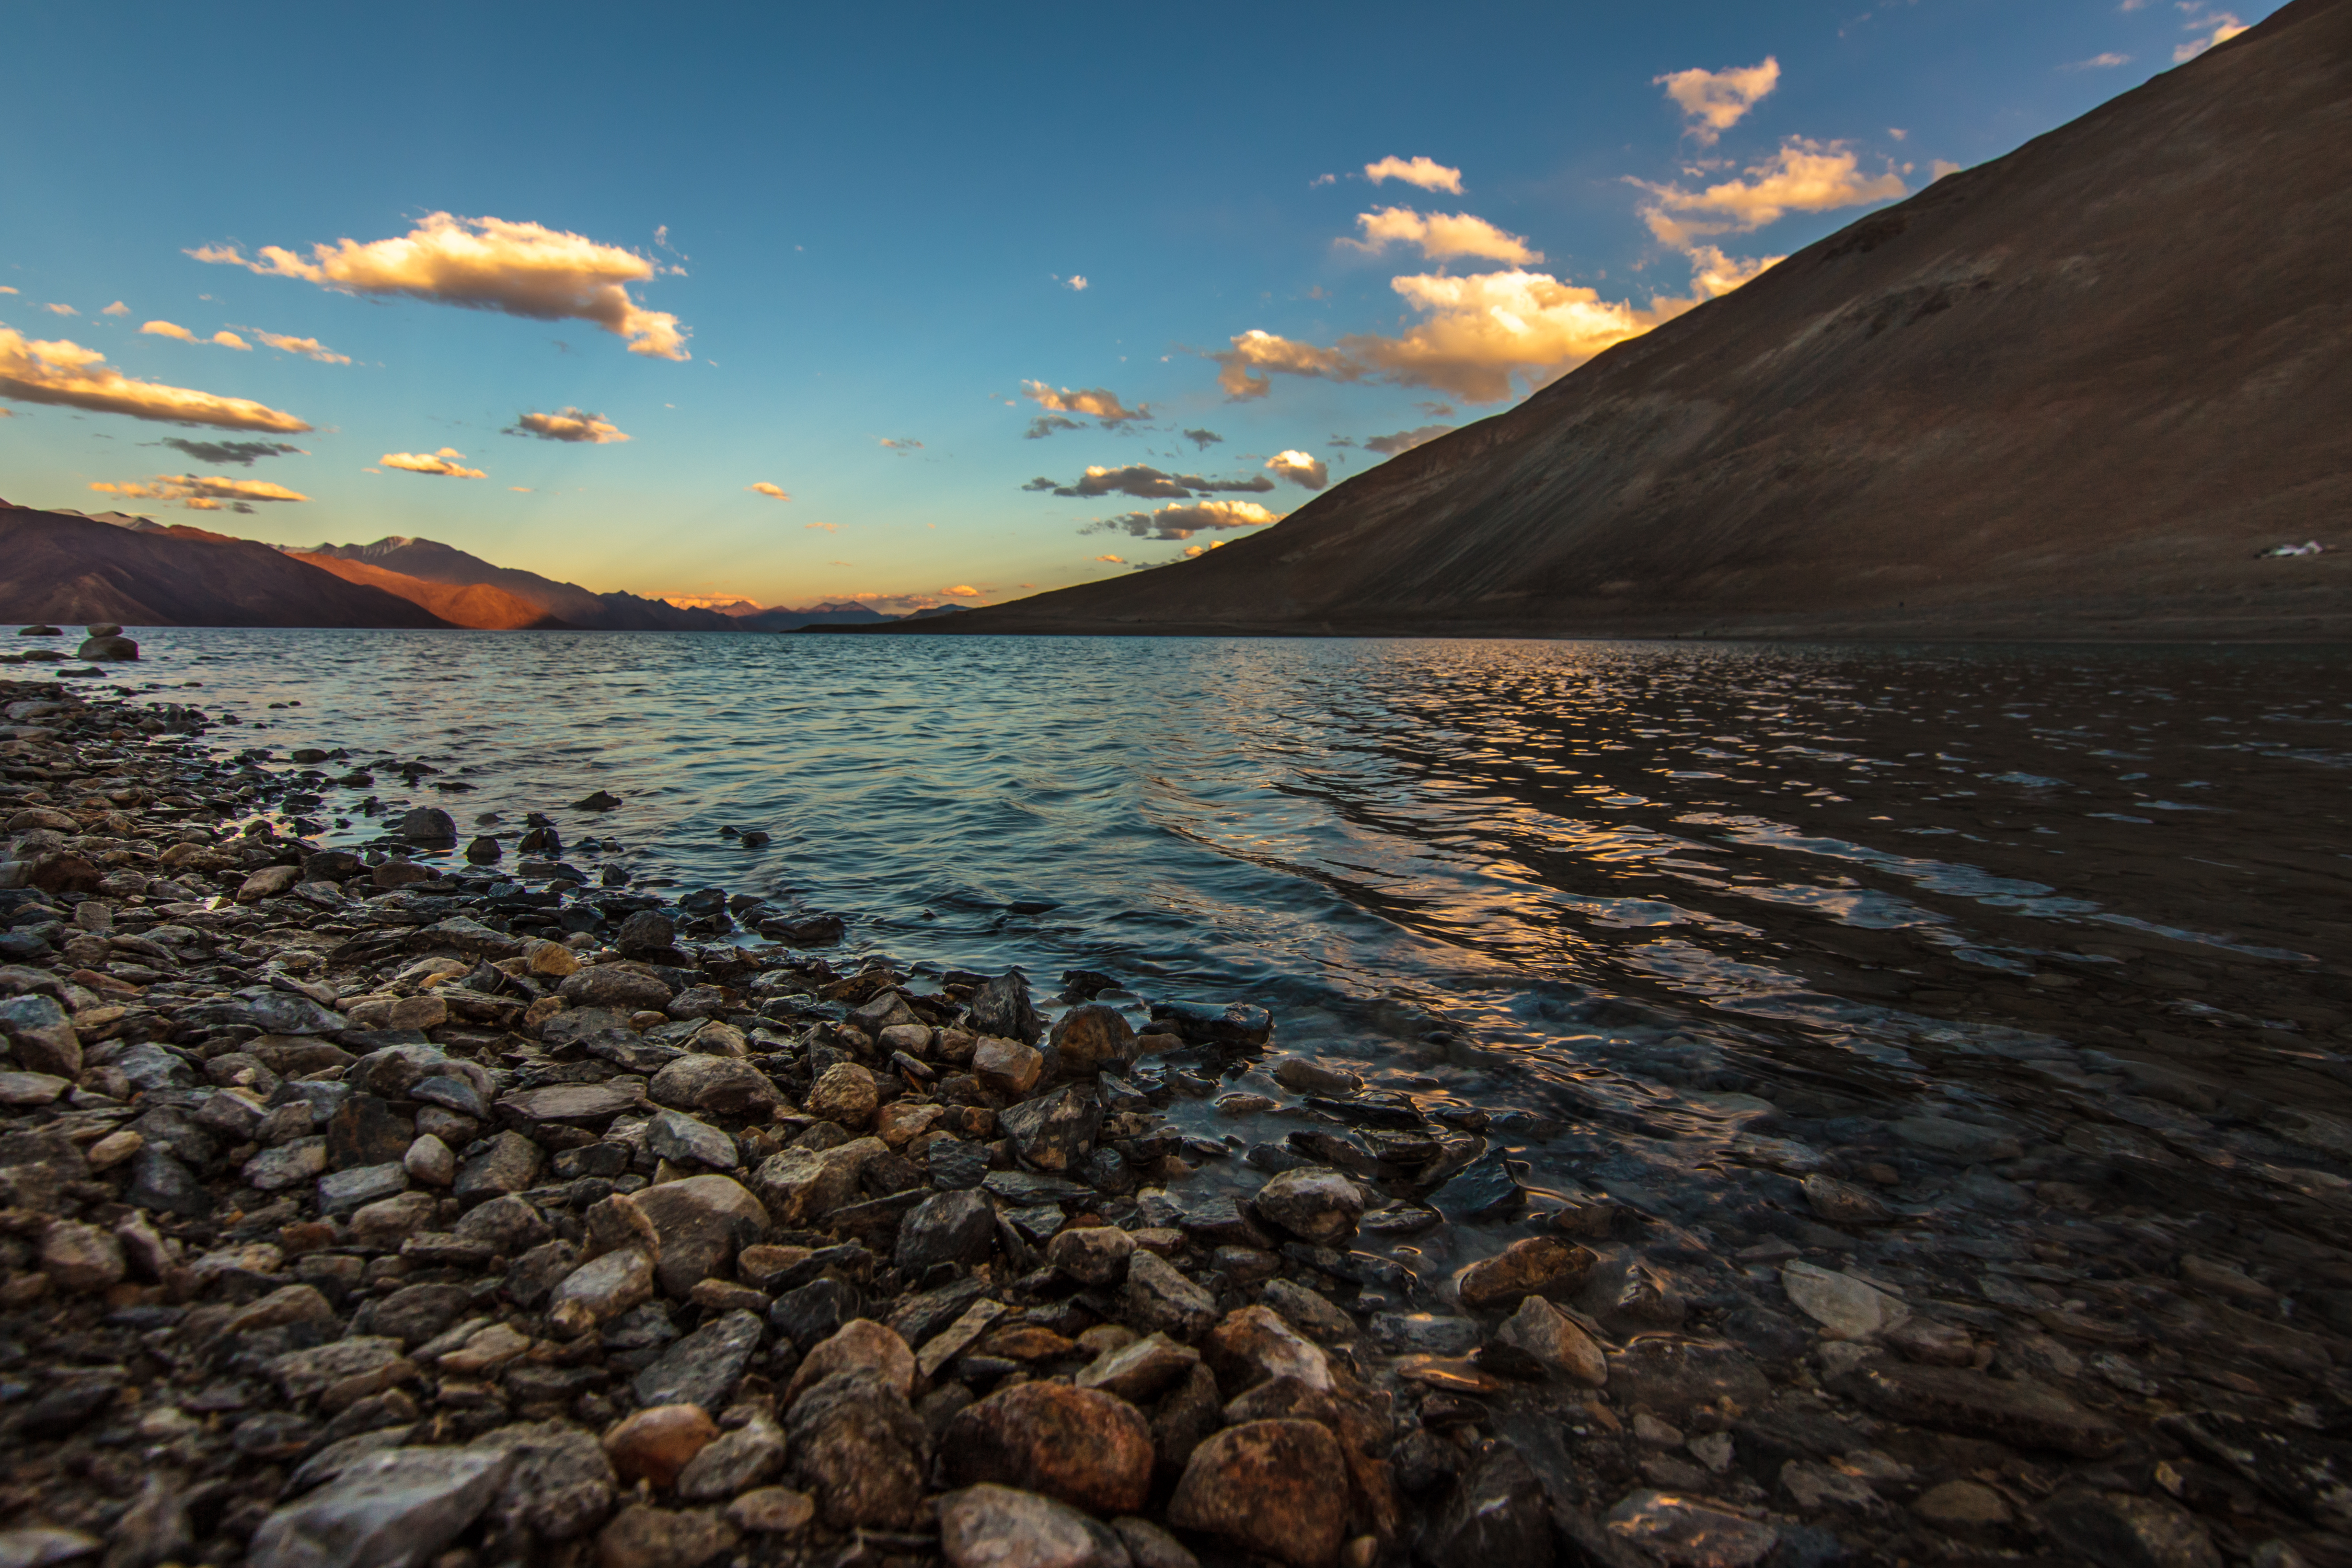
{"x":1550,"y":1338}
{"x":1254,"y":1344}
{"x":1278,"y":1488}
{"x":1092,"y":1037}
{"x":1970,"y":1403}
{"x":657,"y":1443}
{"x":1140,"y":1370}
{"x":1007,"y":1066}
{"x":861,"y":1451}
{"x":1091,"y":1255}
{"x":1089,"y":1448}
{"x":699,"y":1223}
{"x":268,"y":883}
{"x":644,"y":1537}
{"x":999,"y":1527}
{"x":1536,"y":1266}
{"x":771,"y":1510}
{"x":78,"y":1257}
{"x":845,"y":1093}
{"x":858,"y":1345}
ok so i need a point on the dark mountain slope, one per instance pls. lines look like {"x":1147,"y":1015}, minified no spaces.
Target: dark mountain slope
{"x":2075,"y":391}
{"x":566,"y":601}
{"x":75,"y":569}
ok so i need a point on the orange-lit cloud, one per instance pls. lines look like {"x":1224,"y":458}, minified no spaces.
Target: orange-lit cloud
{"x":117,"y":309}
{"x":570,"y":424}
{"x":1300,"y":469}
{"x":487,"y":264}
{"x":1478,"y":333}
{"x":169,"y":329}
{"x":1439,"y":235}
{"x":447,"y":463}
{"x":1100,"y":402}
{"x":1427,"y":172}
{"x":900,"y":445}
{"x":824,"y":527}
{"x":1713,"y":273}
{"x":66,"y":373}
{"x":229,"y":340}
{"x":309,"y":347}
{"x":1185,"y":519}
{"x":1802,"y":176}
{"x":765,"y":489}
{"x":200,"y":494}
{"x":61,"y":310}
{"x":2211,"y":27}
{"x":961,"y":591}
{"x":1715,"y":102}
{"x":1114,"y":560}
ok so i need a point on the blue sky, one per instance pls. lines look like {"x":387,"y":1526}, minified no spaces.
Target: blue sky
{"x":865,"y":227}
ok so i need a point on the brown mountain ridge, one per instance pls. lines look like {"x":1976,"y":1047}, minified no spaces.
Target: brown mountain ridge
{"x":2077,"y":390}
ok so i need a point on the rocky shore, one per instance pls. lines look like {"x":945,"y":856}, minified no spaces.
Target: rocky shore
{"x":358,"y":1209}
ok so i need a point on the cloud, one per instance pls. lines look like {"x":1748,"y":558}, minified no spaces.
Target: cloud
{"x":1802,"y":176}
{"x":2211,"y":26}
{"x":228,"y":340}
{"x":61,"y":310}
{"x":487,"y":264}
{"x":1436,"y":410}
{"x":1114,"y":560}
{"x":827,"y":527}
{"x":765,"y":489}
{"x":521,"y":490}
{"x":1183,"y":522}
{"x":1944,"y":166}
{"x":1046,"y":425}
{"x":1100,"y":402}
{"x":1145,"y":483}
{"x":2107,"y":61}
{"x":1478,"y":332}
{"x":5,"y":288}
{"x":1202,"y":439}
{"x":310,"y":347}
{"x":169,"y":329}
{"x":1404,"y":440}
{"x":1714,"y":274}
{"x":961,"y":591}
{"x":1426,"y":173}
{"x":446,"y":463}
{"x":1300,"y":469}
{"x":1439,"y":235}
{"x":1076,"y":282}
{"x":239,"y":454}
{"x":570,"y":425}
{"x":66,"y":373}
{"x":902,"y":447}
{"x":199,"y":494}
{"x":1715,"y":102}
{"x":117,"y":309}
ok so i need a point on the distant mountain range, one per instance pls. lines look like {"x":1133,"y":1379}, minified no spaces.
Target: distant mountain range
{"x":67,"y":565}
{"x":2087,"y":389}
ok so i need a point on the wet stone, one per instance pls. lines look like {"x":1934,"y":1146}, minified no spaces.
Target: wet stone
{"x":1276,"y":1488}
{"x":1691,"y":1532}
{"x":946,"y":1227}
{"x":1160,"y":1299}
{"x":1054,"y":1132}
{"x":1496,"y":1517}
{"x":1085,"y":1447}
{"x":1950,"y":1400}
{"x":1536,"y":1266}
{"x":1314,"y":1205}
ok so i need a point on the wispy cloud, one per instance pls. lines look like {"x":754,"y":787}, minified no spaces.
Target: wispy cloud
{"x":225,"y":337}
{"x":1404,"y":440}
{"x":1439,"y":235}
{"x":309,"y":348}
{"x":1076,"y":282}
{"x":117,"y":309}
{"x":1802,"y":176}
{"x":1100,"y":402}
{"x":1184,"y":520}
{"x":1145,"y":483}
{"x":826,"y":527}
{"x":61,"y":310}
{"x":2209,"y":25}
{"x":1202,"y":439}
{"x":2107,"y":61}
{"x":1427,"y":172}
{"x":199,"y":494}
{"x":238,"y":454}
{"x":961,"y":591}
{"x":1114,"y":560}
{"x":447,"y":463}
{"x":1301,"y":468}
{"x":1046,"y":425}
{"x":570,"y":425}
{"x":764,"y":488}
{"x":901,"y":445}
{"x":487,"y":264}
{"x":69,"y":374}
{"x":1713,"y":101}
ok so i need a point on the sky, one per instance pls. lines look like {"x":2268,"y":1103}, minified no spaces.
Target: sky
{"x":913,"y":305}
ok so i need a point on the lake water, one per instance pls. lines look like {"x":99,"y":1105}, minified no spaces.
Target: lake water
{"x":1667,"y":898}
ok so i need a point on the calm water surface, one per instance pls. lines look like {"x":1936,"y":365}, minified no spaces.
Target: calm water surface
{"x":1671,"y":894}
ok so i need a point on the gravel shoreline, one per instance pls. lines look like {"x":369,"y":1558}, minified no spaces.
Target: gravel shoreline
{"x":353,"y":1213}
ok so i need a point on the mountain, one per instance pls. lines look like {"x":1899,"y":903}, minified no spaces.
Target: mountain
{"x":783,"y":620}
{"x":566,"y":601}
{"x":69,"y":569}
{"x":474,"y":605}
{"x":2077,"y":390}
